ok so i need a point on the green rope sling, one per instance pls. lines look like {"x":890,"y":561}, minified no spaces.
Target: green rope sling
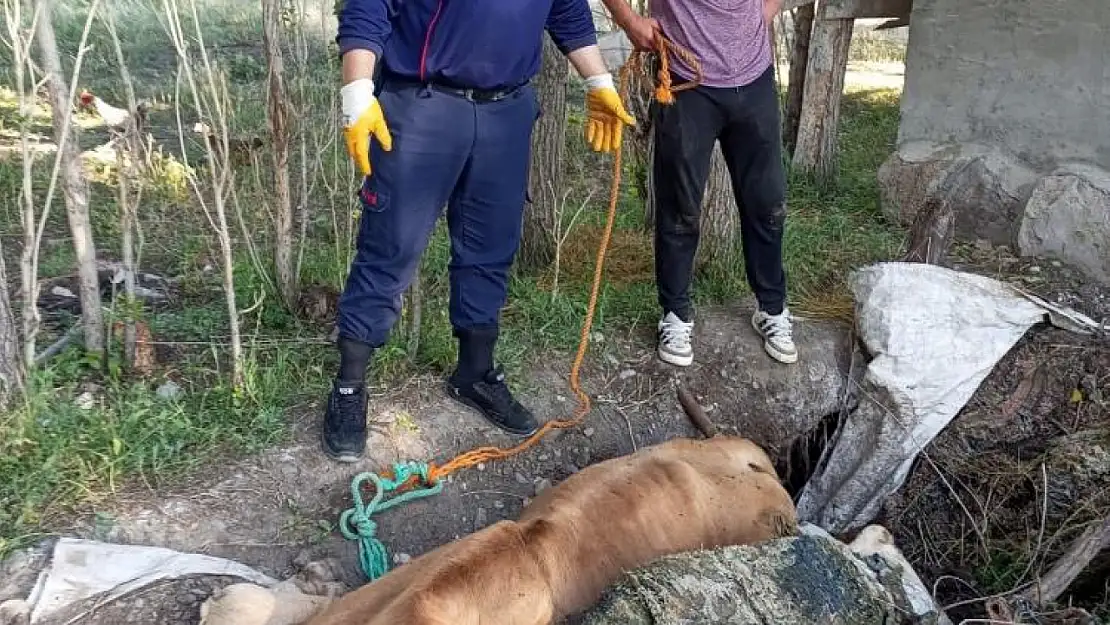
{"x":355,"y":523}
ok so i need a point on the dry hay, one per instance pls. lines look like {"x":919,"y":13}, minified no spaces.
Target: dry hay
{"x":629,"y":259}
{"x":830,"y":299}
{"x":1021,"y":473}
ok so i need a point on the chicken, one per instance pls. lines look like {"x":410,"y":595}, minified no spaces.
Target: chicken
{"x":114,"y":117}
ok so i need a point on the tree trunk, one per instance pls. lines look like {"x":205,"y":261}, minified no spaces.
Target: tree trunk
{"x":816,"y":146}
{"x":74,"y":186}
{"x":641,"y":139}
{"x":129,"y":159}
{"x":220,"y":171}
{"x":720,"y":217}
{"x":278,"y":118}
{"x":127,"y":243}
{"x":649,"y":186}
{"x":799,"y":61}
{"x":415,"y":305}
{"x":29,"y":257}
{"x":546,"y":175}
{"x":11,"y":367}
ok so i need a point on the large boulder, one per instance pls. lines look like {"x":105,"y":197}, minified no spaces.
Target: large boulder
{"x":1068,"y":217}
{"x":747,"y":392}
{"x":811,"y":578}
{"x":985,"y":186}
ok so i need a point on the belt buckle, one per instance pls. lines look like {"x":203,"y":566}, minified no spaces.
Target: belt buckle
{"x":469,"y":95}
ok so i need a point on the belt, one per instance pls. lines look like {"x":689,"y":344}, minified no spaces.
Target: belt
{"x":474,"y":95}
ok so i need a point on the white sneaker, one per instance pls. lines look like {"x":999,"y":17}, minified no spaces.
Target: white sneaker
{"x":776,"y":331}
{"x":674,"y":341}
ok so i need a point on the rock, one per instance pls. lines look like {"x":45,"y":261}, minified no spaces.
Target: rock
{"x":250,"y":604}
{"x":1076,"y":465}
{"x":85,"y":401}
{"x":771,"y":403}
{"x":61,"y":291}
{"x":169,"y":390}
{"x":987,"y":192}
{"x":1068,"y":217}
{"x":797,"y":580}
{"x":15,"y":612}
{"x":874,"y":545}
{"x":19,"y":571}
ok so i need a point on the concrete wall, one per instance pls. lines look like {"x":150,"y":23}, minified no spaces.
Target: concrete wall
{"x":1030,"y":76}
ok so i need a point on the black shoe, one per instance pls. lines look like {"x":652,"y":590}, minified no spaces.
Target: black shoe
{"x":344,"y":433}
{"x":491,"y":397}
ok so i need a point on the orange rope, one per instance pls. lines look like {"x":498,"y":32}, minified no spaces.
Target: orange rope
{"x":665,"y":94}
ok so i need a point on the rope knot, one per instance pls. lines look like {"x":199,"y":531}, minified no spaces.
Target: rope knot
{"x":364,"y":527}
{"x":356,"y":523}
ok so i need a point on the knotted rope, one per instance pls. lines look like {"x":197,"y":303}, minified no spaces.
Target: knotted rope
{"x":355,"y":523}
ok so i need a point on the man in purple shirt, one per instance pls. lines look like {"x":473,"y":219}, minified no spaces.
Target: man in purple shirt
{"x":736,"y":103}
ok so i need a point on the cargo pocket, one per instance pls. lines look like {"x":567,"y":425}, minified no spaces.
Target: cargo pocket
{"x":372,"y":199}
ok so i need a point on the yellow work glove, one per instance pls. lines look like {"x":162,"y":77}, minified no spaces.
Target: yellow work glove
{"x":605,"y":114}
{"x":363,"y":117}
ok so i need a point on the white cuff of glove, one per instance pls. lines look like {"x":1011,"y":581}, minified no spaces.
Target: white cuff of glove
{"x":356,"y":96}
{"x":600,"y":81}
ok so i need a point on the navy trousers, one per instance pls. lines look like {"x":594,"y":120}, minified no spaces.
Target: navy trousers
{"x":448,"y":150}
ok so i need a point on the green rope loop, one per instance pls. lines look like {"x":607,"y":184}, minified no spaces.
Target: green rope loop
{"x":355,"y":522}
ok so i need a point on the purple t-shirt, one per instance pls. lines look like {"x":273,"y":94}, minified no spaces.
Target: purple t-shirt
{"x":729,"y":38}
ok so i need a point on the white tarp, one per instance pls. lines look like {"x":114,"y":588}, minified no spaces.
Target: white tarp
{"x":86,"y":569}
{"x":933,"y":335}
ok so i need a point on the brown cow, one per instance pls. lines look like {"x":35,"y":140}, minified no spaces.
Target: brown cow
{"x":576,"y":539}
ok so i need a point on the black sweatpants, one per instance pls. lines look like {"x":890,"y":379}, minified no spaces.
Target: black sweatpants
{"x":746,"y":122}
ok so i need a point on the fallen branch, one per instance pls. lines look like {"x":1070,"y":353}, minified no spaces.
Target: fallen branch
{"x":59,"y":345}
{"x":1053,"y":584}
{"x":693,"y":410}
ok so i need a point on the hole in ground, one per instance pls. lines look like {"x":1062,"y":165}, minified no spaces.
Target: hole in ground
{"x":798,"y":462}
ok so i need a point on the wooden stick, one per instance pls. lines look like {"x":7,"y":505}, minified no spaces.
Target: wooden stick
{"x":1071,"y":564}
{"x":59,"y":345}
{"x":693,"y":410}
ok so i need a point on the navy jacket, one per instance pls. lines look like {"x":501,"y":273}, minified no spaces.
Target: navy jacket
{"x":475,"y":44}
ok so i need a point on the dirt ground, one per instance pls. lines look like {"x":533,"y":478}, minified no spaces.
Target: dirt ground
{"x":970,"y":533}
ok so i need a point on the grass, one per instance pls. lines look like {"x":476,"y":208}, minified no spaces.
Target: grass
{"x":876,"y":46}
{"x":87,"y":428}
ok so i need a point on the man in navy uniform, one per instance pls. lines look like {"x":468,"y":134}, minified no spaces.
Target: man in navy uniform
{"x":447,"y":121}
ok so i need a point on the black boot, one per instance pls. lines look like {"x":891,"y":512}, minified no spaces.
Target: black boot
{"x":477,"y":384}
{"x":344,"y":431}
{"x":344,"y":436}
